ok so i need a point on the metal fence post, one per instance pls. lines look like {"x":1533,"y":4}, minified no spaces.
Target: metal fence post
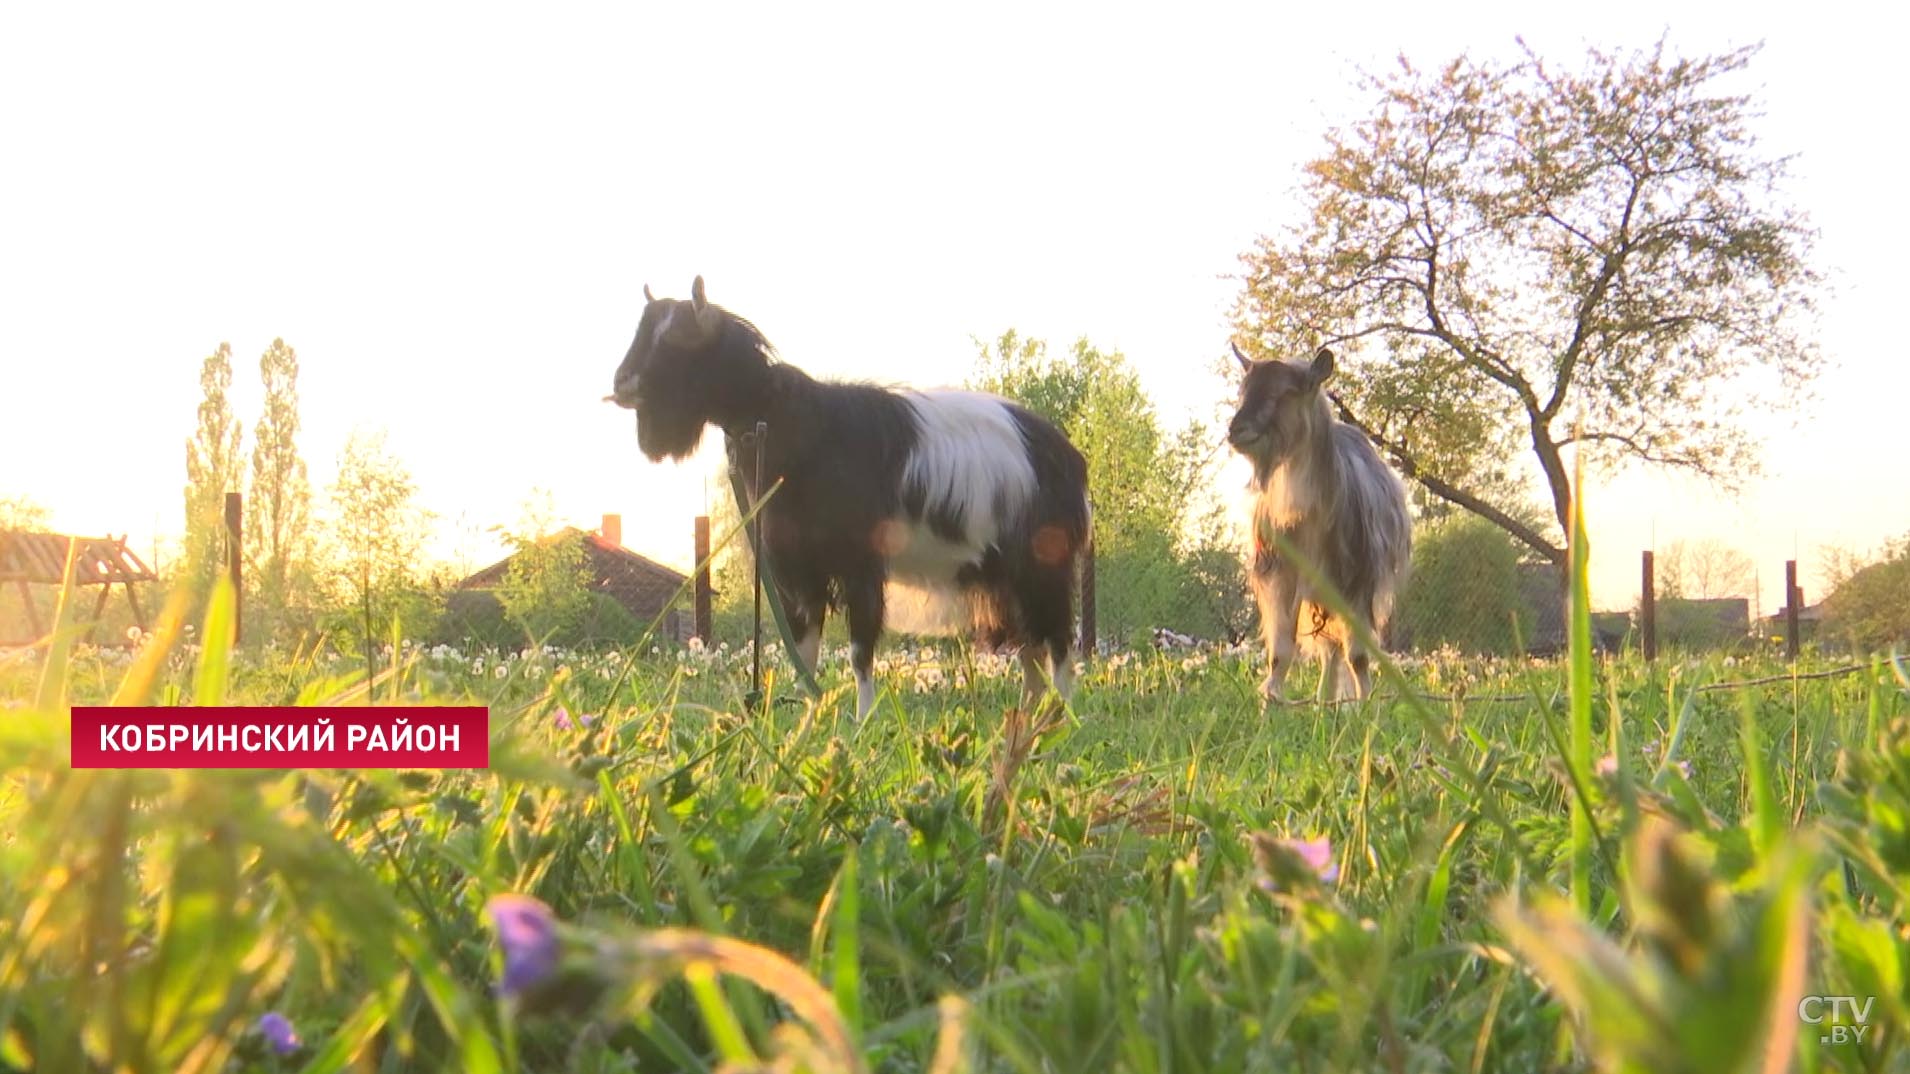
{"x":235,"y":556}
{"x":701,"y":594}
{"x":1087,"y":601}
{"x":1648,"y":612}
{"x":1792,"y":598}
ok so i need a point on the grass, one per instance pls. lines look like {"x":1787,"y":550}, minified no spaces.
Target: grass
{"x":953,"y":885}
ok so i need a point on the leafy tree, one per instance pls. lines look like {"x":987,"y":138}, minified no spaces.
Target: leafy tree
{"x":1140,"y":481}
{"x":20,"y":513}
{"x":378,"y":532}
{"x":1464,"y":589}
{"x":546,"y":590}
{"x":212,"y":470}
{"x":278,"y":508}
{"x":1218,"y":591}
{"x":1513,"y":257}
{"x":1870,"y":608}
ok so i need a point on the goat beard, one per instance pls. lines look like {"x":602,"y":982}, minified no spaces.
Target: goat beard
{"x":659,"y":438}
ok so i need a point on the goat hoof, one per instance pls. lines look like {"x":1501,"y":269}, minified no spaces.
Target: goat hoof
{"x":1271,"y":693}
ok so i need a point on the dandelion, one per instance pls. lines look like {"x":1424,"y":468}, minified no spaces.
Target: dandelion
{"x":277,"y":1031}
{"x":500,"y":671}
{"x":527,"y":931}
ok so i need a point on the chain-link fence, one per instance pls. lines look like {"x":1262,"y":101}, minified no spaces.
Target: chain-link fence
{"x":1481,"y":606}
{"x":1470,"y":590}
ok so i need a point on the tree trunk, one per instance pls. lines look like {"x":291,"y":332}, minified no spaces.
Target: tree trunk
{"x":1555,"y":479}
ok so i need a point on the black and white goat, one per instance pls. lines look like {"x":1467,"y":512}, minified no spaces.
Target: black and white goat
{"x":930,"y":511}
{"x":1318,"y":483}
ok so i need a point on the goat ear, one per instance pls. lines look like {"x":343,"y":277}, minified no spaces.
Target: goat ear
{"x":1322,"y":366}
{"x":696,"y":295}
{"x":647,"y":296}
{"x":1245,"y":362}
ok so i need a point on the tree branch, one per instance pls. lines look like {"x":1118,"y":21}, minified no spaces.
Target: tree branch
{"x":1588,"y":305}
{"x":1402,"y":457}
{"x":1687,"y":461}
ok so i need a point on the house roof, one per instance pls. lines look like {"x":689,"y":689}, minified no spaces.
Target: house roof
{"x":41,"y":558}
{"x":637,"y":582}
{"x":1809,"y":613}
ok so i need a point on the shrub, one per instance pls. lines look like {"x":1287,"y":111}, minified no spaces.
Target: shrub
{"x":1870,"y":610}
{"x":1464,"y":588}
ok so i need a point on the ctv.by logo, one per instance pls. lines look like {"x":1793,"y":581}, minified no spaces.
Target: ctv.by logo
{"x":1843,"y":1019}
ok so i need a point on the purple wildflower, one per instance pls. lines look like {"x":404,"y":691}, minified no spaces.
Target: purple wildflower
{"x":1292,"y":864}
{"x":527,"y":931}
{"x":562,"y":719}
{"x":587,"y":720}
{"x":278,"y":1032}
{"x":1318,"y":854}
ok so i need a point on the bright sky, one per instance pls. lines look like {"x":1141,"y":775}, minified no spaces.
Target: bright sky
{"x":450,"y":212}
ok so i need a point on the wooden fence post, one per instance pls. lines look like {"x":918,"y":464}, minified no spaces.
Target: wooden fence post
{"x":1087,"y":602}
{"x":1792,"y":598}
{"x":700,"y":600}
{"x":234,"y":557}
{"x":1648,"y":612}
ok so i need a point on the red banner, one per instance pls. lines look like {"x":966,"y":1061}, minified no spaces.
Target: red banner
{"x":290,"y":737}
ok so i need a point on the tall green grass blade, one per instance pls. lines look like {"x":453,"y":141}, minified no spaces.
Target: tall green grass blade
{"x":1580,"y":671}
{"x":1674,"y":742}
{"x":215,"y":651}
{"x":476,"y":1050}
{"x":842,"y":908}
{"x":1767,"y":820}
{"x":52,"y":692}
{"x":804,"y":673}
{"x":356,"y":1032}
{"x":726,"y":1032}
{"x":143,"y":678}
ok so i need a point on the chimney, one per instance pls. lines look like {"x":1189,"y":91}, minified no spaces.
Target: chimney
{"x":612,"y":531}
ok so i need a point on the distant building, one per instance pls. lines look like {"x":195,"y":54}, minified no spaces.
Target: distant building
{"x":1710,"y":623}
{"x":33,"y":568}
{"x":645,"y":588}
{"x":1809,"y":617}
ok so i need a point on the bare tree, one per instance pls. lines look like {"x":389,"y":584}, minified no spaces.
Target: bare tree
{"x":1705,"y":570}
